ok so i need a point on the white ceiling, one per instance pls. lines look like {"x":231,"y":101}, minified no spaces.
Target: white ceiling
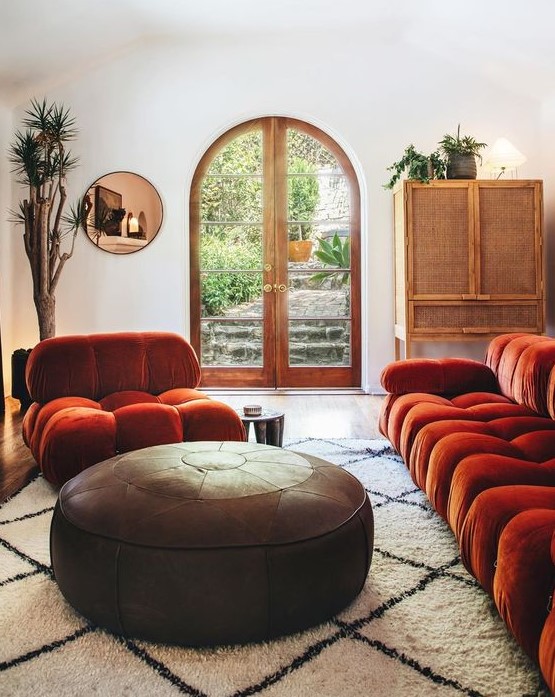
{"x":45,"y":42}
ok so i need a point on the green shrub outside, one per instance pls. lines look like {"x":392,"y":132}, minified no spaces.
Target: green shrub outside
{"x":221,"y":291}
{"x":236,"y":249}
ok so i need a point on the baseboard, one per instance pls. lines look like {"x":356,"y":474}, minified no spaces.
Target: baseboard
{"x":282,"y":390}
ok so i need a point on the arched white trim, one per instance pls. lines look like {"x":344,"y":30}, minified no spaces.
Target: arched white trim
{"x":364,"y":246}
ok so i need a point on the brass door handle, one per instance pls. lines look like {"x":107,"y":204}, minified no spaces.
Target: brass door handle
{"x":268,"y":287}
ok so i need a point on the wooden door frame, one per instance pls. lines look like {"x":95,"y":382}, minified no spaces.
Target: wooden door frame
{"x":320,"y":376}
{"x":275,"y":219}
{"x":230,"y":376}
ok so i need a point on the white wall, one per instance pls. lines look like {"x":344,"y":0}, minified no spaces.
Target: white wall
{"x":548,"y":175}
{"x":6,"y":235}
{"x":156,"y":111}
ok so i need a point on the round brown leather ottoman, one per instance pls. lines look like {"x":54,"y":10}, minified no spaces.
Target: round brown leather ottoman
{"x":209,"y":543}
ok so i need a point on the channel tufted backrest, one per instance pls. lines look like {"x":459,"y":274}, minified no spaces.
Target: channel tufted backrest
{"x":523,"y":365}
{"x":98,"y":365}
{"x":533,"y":376}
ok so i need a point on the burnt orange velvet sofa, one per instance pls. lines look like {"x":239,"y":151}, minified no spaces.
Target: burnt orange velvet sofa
{"x":479,"y":440}
{"x":99,"y":395}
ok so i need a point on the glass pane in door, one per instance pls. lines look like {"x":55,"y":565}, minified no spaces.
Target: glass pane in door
{"x":319,"y":264}
{"x":319,"y":343}
{"x":230,"y":246}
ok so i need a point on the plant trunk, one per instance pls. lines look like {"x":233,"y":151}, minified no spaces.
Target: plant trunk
{"x":46,"y":313}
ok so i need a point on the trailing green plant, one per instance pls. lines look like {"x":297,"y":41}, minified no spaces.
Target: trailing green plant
{"x":41,"y":162}
{"x":417,"y":166}
{"x":457,"y":145}
{"x":336,"y":253}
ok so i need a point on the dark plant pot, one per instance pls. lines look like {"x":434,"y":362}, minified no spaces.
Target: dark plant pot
{"x":19,"y":386}
{"x":461,"y":167}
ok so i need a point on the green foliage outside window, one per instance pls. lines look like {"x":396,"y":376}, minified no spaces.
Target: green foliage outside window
{"x":336,"y":253}
{"x":304,"y":195}
{"x":232,"y":210}
{"x":221,"y":291}
{"x":232,"y":189}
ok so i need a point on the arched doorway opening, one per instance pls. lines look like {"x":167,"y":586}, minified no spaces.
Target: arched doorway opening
{"x":275,"y":259}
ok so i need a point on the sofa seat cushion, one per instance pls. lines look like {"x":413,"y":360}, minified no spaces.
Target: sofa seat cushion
{"x":124,"y":399}
{"x":180,"y":395}
{"x":446,"y":457}
{"x":142,"y":425}
{"x":38,"y":415}
{"x":523,"y":584}
{"x":429,"y":436}
{"x":422,"y":414}
{"x":73,"y":439}
{"x":488,"y":516}
{"x":474,"y":399}
{"x":537,"y":447}
{"x":447,"y":454}
{"x":486,"y":470}
{"x":547,"y":639}
{"x":432,"y":408}
{"x":69,"y":437}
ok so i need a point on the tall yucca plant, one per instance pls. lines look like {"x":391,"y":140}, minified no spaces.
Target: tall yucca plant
{"x":41,"y":162}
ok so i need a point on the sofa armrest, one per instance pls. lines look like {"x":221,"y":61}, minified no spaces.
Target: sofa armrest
{"x":445,"y":376}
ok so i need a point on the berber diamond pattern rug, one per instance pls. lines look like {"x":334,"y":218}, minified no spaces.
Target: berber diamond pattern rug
{"x":421,"y":626}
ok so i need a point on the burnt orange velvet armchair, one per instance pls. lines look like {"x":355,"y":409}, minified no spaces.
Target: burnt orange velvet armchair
{"x":98,"y":395}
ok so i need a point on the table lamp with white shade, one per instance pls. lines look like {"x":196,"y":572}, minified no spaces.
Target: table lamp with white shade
{"x":502,"y":158}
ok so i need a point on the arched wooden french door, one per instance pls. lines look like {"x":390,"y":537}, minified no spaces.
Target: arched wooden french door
{"x":262,"y":314}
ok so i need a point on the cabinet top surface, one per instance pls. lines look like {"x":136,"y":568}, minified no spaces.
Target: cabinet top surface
{"x":446,"y":183}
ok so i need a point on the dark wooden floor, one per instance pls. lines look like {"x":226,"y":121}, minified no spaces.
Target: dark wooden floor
{"x":314,"y":415}
{"x":17,"y":465}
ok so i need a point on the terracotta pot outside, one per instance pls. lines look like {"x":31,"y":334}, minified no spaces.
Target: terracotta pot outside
{"x":300,"y":250}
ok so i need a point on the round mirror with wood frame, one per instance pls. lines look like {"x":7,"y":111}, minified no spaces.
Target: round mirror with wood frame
{"x":122,"y":212}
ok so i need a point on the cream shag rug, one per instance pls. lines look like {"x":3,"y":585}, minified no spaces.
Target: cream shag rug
{"x":421,"y":626}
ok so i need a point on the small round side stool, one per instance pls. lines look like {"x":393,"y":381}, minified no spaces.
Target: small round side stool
{"x":268,"y":426}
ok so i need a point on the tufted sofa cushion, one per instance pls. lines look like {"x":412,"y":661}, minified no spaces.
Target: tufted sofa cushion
{"x":523,"y":584}
{"x":99,"y":395}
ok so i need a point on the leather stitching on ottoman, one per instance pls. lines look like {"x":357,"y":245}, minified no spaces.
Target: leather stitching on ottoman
{"x":210,"y":543}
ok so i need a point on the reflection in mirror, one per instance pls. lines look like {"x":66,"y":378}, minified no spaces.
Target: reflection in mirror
{"x":123,"y":212}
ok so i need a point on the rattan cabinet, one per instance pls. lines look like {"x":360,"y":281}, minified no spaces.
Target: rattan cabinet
{"x":468,"y":260}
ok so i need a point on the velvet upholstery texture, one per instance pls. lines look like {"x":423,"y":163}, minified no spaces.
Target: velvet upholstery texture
{"x":479,"y":440}
{"x":523,"y":585}
{"x":99,"y":395}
